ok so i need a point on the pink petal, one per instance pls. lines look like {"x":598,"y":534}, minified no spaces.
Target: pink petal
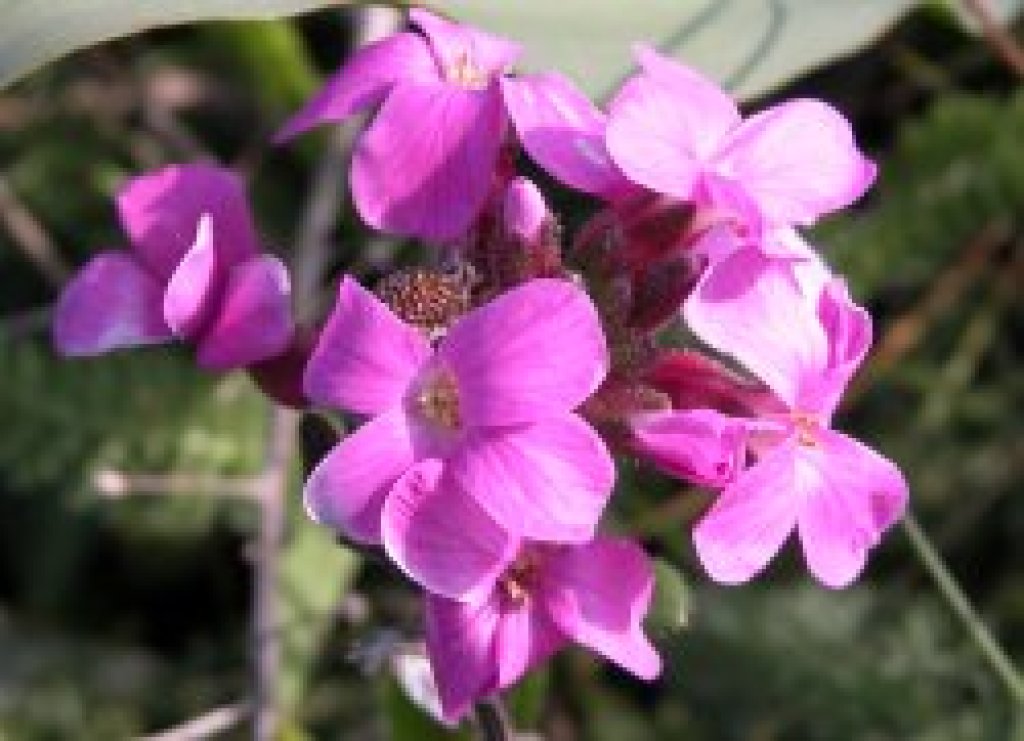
{"x":526,"y":637}
{"x":192,"y":288}
{"x":254,"y":321}
{"x":112,"y":302}
{"x":797,"y":184}
{"x":366,"y":356}
{"x":430,"y":179}
{"x":460,"y":644}
{"x":454,"y":44}
{"x":699,"y":445}
{"x":160,"y":212}
{"x":547,"y":481}
{"x":441,"y":538}
{"x":598,"y":594}
{"x":563,"y":132}
{"x":363,"y":81}
{"x":346,"y":490}
{"x":665,"y":125}
{"x":847,"y":328}
{"x":752,"y":308}
{"x":524,"y":213}
{"x":852,"y":495}
{"x":751,"y":518}
{"x":533,"y":352}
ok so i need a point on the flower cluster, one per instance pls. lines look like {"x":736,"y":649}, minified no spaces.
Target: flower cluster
{"x":491,"y":391}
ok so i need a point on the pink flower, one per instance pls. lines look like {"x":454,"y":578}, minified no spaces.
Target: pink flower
{"x":494,"y":400}
{"x":194,"y":273}
{"x":675,"y":132}
{"x":426,"y":165}
{"x":836,"y":492}
{"x":498,"y":604}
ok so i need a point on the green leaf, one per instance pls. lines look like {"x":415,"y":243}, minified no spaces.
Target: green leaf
{"x":315,"y":574}
{"x":752,"y":47}
{"x":34,"y":32}
{"x":670,"y":610}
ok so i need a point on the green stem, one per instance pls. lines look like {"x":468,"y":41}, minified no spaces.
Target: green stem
{"x":961,"y":605}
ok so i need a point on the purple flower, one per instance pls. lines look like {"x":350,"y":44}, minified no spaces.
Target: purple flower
{"x":426,"y":165}
{"x":675,"y":132}
{"x":836,"y":492}
{"x":194,"y":273}
{"x":494,"y":400}
{"x":499,"y":604}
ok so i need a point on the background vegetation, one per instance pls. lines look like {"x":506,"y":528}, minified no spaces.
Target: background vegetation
{"x":127,"y":543}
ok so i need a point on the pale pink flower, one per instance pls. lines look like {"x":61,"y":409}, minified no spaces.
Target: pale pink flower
{"x":494,"y":400}
{"x":426,"y":165}
{"x":498,"y":604}
{"x":194,"y":273}
{"x":836,"y":492}
{"x":675,"y":132}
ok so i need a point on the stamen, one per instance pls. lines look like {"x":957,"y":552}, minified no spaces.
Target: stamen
{"x":438,"y":401}
{"x":463,"y":72}
{"x":807,"y":426}
{"x":519,"y":580}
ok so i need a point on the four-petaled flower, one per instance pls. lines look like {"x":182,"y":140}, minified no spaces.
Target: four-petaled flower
{"x":194,"y":273}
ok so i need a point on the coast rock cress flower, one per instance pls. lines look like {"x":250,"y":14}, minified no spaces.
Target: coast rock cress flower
{"x":426,"y":164}
{"x":194,"y":273}
{"x":494,"y":400}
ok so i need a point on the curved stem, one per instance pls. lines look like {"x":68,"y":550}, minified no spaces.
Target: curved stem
{"x":958,"y":602}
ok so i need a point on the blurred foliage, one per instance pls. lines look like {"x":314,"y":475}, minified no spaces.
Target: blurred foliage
{"x":126,"y":614}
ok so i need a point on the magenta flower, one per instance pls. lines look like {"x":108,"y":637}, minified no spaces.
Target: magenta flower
{"x":426,"y":165}
{"x":499,"y":604}
{"x":194,"y":273}
{"x":494,"y":400}
{"x":836,"y":492}
{"x":675,"y":132}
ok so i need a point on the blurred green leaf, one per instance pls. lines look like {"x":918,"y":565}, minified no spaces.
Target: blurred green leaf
{"x":752,"y":46}
{"x":34,"y":32}
{"x":670,"y":609}
{"x":315,"y":574}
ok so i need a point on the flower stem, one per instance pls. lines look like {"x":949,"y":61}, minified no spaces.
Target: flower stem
{"x":490,"y":716}
{"x":958,"y":602}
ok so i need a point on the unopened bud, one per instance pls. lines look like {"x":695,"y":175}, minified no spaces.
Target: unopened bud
{"x":428,"y":299}
{"x":524,"y":213}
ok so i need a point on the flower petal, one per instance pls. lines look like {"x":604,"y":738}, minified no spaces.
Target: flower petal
{"x":346,"y":490}
{"x":454,"y":44}
{"x":441,"y":538}
{"x":796,"y":185}
{"x":666,"y":123}
{"x":254,"y":321}
{"x":853,"y":495}
{"x":112,"y":302}
{"x":526,"y":637}
{"x":160,"y":212}
{"x":751,"y":518}
{"x":563,"y":132}
{"x":699,"y":445}
{"x":599,"y":594}
{"x":431,"y":179}
{"x":533,"y":352}
{"x":751,"y":307}
{"x":547,"y":481}
{"x":363,"y":81}
{"x":365,"y":357}
{"x":460,"y":644}
{"x":192,"y":288}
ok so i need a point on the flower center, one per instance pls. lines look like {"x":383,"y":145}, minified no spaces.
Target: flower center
{"x":806,"y":427}
{"x":438,"y":401}
{"x":465,"y":73}
{"x":520,"y":579}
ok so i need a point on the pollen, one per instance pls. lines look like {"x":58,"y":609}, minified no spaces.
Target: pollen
{"x":520,"y":579}
{"x":465,"y":73}
{"x":438,"y":401}
{"x":806,"y":428}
